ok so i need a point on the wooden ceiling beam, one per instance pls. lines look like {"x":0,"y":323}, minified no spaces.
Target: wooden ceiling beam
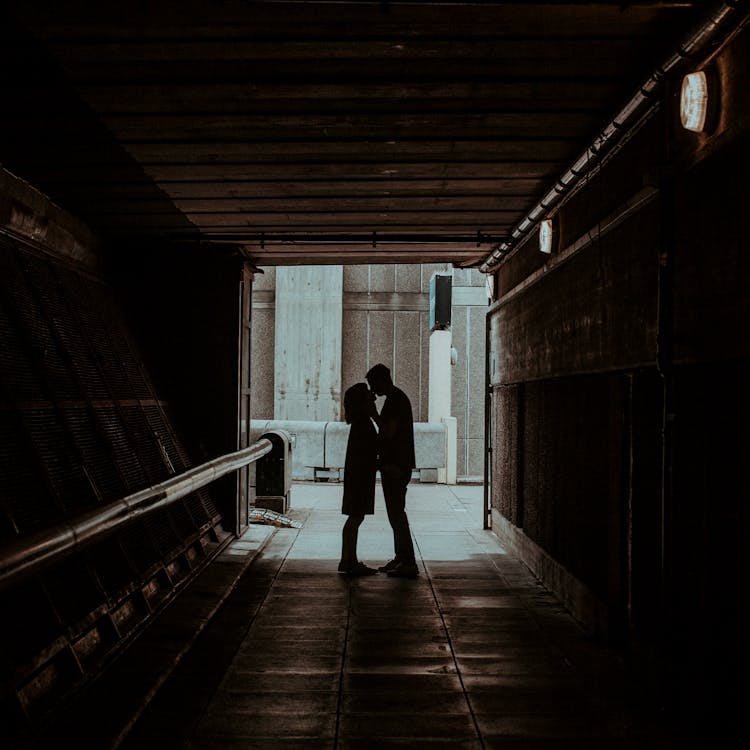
{"x":168,"y":19}
{"x":124,"y":59}
{"x":177,"y":224}
{"x":133,"y":193}
{"x":226,"y":99}
{"x":174,"y":128}
{"x":165,"y":174}
{"x":440,"y":121}
{"x":433,"y":149}
{"x":327,"y":204}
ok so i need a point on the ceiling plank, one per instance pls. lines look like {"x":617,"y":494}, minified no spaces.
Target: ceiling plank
{"x":436,"y":120}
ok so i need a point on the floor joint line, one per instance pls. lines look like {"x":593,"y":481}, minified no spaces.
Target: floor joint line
{"x":339,"y":699}
{"x":450,"y":646}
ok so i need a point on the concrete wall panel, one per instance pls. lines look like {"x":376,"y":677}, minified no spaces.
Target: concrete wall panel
{"x":380,"y":327}
{"x":424,"y":399}
{"x":408,"y":278}
{"x":354,"y":356}
{"x":262,"y":363}
{"x":475,"y":371}
{"x":383,"y":278}
{"x":356,"y":278}
{"x":459,"y":382}
{"x":407,"y":365}
{"x":307,"y":362}
{"x":507,"y":423}
{"x":475,"y":458}
{"x":265,"y":281}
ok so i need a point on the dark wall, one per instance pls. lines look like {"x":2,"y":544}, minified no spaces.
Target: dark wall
{"x":620,"y":404}
{"x":82,"y":425}
{"x":185,"y":306}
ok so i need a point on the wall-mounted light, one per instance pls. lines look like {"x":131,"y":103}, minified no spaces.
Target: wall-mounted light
{"x":546,"y":237}
{"x":694,"y":102}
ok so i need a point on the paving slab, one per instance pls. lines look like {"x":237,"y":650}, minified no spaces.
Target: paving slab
{"x":472,"y":654}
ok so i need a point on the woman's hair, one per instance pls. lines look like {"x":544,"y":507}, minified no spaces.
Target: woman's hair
{"x":356,"y":401}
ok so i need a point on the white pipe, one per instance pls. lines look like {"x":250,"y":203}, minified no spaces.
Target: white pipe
{"x":28,"y":554}
{"x":695,"y":43}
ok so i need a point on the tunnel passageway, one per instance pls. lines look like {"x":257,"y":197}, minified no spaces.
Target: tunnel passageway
{"x":475,"y":653}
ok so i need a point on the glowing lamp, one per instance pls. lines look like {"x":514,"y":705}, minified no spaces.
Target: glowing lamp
{"x":545,"y":236}
{"x":694,"y":102}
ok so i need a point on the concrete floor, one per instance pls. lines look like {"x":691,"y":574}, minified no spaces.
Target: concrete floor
{"x":472,"y":654}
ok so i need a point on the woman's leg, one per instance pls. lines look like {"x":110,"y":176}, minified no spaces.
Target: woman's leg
{"x":349,"y":536}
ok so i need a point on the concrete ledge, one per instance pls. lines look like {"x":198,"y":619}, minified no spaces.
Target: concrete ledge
{"x":319,"y":448}
{"x":576,"y":596}
{"x":308,"y":443}
{"x":108,"y":707}
{"x":29,"y":214}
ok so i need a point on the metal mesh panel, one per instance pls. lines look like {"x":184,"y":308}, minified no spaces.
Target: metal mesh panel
{"x":26,"y":503}
{"x":200,"y":507}
{"x":44,"y":349}
{"x":184,"y":522}
{"x":78,"y":288}
{"x":67,"y":329}
{"x":157,"y":422}
{"x":199,"y":504}
{"x":20,"y":381}
{"x":124,"y":453}
{"x":100,"y":299}
{"x":61,"y":463}
{"x":96,"y":456}
{"x":80,"y":425}
{"x":163,"y":533}
{"x":150,"y":454}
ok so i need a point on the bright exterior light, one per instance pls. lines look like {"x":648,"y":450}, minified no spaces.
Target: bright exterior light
{"x":694,"y":101}
{"x":545,"y":237}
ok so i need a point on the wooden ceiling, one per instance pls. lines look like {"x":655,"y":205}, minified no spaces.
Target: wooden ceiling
{"x":320,"y":132}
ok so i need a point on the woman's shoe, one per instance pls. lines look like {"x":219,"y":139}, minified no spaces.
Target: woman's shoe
{"x":358,"y":569}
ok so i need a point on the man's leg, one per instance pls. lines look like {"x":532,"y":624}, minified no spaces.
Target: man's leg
{"x":394,"y":492}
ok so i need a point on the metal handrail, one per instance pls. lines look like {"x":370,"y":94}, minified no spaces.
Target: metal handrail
{"x":26,"y":555}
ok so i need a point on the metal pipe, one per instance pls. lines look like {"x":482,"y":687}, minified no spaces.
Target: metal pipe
{"x":711,"y":30}
{"x":487,"y":490}
{"x":26,"y":555}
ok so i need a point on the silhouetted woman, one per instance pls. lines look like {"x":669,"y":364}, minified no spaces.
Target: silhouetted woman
{"x":359,"y":474}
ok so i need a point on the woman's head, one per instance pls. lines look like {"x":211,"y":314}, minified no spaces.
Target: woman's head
{"x":357,"y":401}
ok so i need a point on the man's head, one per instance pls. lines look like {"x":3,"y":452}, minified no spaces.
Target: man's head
{"x":379,"y":379}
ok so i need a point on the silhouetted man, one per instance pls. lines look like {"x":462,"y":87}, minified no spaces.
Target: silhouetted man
{"x":396,"y":451}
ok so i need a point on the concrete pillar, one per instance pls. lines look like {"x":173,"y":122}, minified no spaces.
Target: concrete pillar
{"x":451,"y":451}
{"x":439,"y":402}
{"x":307,"y":356}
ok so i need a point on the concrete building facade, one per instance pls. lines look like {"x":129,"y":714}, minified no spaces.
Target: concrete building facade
{"x":327,"y":325}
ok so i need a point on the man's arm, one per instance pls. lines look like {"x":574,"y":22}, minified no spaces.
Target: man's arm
{"x":388,"y":423}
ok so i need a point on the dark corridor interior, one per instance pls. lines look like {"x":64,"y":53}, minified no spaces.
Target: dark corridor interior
{"x":154,"y":157}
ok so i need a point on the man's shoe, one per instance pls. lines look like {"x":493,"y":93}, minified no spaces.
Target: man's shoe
{"x":404,"y":570}
{"x":389,"y":565}
{"x":358,"y":569}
